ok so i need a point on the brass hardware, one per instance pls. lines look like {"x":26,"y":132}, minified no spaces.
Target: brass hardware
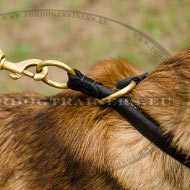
{"x":2,"y":55}
{"x":117,"y":94}
{"x":20,"y":69}
{"x":58,"y":64}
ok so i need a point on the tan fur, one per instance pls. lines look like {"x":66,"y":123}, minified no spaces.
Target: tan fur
{"x":78,"y":146}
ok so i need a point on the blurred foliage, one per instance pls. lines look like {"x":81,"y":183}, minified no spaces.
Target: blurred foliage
{"x":167,"y":22}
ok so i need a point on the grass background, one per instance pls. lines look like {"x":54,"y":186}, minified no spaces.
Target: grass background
{"x":82,"y":44}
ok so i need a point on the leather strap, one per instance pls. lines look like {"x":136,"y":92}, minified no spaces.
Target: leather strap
{"x":88,"y":86}
{"x":137,"y":118}
{"x":123,"y":83}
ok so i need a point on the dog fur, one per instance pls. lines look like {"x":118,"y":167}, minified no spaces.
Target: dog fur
{"x":76,"y":145}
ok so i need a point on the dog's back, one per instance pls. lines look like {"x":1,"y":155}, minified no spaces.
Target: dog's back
{"x":40,"y":149}
{"x":63,"y":142}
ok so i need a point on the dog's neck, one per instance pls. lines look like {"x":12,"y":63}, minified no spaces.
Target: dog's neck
{"x":164,"y":96}
{"x":122,"y":144}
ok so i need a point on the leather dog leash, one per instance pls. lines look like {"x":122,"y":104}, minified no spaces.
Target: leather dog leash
{"x":77,"y":81}
{"x":136,"y":117}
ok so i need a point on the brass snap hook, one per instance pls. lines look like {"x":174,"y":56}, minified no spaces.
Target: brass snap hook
{"x":20,"y":69}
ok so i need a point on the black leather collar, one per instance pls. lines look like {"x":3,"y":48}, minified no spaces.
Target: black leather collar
{"x":137,"y":118}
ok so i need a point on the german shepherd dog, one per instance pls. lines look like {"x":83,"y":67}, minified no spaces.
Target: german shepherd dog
{"x":71,"y":144}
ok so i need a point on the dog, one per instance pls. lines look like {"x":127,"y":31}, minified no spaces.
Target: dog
{"x":64,"y":142}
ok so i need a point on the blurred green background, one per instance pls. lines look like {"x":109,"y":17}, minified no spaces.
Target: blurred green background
{"x":81,"y":44}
